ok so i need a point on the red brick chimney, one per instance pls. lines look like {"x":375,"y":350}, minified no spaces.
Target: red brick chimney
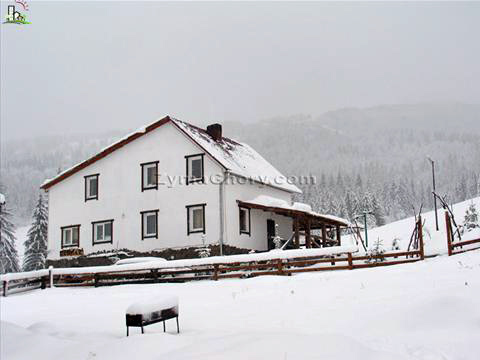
{"x":215,"y":131}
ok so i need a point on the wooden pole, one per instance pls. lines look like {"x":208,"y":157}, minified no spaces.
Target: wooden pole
{"x":420,"y":238}
{"x":324,"y":235}
{"x":5,"y":288}
{"x":449,"y":233}
{"x":350,"y":261}
{"x":308,"y":240}
{"x":296,"y":229}
{"x":339,"y":235}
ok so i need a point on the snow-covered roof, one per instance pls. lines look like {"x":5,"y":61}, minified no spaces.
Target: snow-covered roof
{"x":238,"y":158}
{"x":2,"y":199}
{"x":271,"y":202}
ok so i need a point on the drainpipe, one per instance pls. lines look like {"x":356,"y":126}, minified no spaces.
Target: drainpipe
{"x":222,"y":211}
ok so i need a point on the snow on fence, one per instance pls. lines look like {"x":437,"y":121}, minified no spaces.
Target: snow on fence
{"x":458,"y":247}
{"x":286,"y":262}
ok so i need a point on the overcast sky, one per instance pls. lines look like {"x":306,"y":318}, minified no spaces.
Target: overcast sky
{"x":92,"y":67}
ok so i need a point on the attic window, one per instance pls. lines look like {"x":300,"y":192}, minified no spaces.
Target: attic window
{"x":195,"y":168}
{"x":149,"y":175}
{"x":91,"y":187}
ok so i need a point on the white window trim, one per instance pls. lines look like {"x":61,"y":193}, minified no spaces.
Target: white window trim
{"x":95,"y":224}
{"x":248,"y":221}
{"x":190,"y":210}
{"x":144,"y":174}
{"x":144,"y":215}
{"x":65,"y":230}
{"x":88,"y":180}
{"x":190,"y":159}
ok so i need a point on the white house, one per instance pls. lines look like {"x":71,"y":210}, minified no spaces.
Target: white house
{"x":172,"y":185}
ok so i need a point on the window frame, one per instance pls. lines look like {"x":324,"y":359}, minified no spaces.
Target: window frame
{"x":87,"y":179}
{"x":142,"y":166}
{"x":191,"y":208}
{"x":142,"y":215}
{"x":248,"y":219}
{"x":190,"y":158}
{"x":62,"y":244}
{"x":94,"y":224}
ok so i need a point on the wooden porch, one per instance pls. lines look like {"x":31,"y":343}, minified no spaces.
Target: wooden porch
{"x":328,"y":228}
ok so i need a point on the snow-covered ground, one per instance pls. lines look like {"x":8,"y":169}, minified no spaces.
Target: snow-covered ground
{"x":435,"y":241}
{"x":427,"y":310}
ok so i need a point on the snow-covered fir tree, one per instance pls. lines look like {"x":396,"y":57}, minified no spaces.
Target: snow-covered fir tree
{"x":36,"y":243}
{"x":8,"y":251}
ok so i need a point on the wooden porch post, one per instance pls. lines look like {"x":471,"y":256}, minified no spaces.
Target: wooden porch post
{"x":296,"y":229}
{"x":339,"y":235}
{"x":324,"y":235}
{"x":308,"y":240}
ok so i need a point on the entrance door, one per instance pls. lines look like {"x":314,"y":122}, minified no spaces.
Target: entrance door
{"x":270,"y":234}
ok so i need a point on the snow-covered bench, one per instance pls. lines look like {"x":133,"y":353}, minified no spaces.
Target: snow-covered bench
{"x":145,"y":313}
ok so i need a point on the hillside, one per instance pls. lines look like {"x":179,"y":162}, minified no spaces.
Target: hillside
{"x":360,"y":157}
{"x":421,"y":311}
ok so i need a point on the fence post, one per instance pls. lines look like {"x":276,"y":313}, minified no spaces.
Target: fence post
{"x":5,"y":288}
{"x":280,"y":266}
{"x":50,"y":276}
{"x":215,"y":272}
{"x":449,"y":233}
{"x":420,"y":237}
{"x":95,"y":278}
{"x":350,"y":261}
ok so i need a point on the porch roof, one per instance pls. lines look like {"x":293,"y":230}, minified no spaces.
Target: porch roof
{"x":297,"y":210}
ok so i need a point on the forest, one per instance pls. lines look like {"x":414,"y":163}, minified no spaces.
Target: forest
{"x":372,"y":159}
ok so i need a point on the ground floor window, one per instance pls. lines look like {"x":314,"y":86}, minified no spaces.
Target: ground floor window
{"x":70,"y":236}
{"x":149,"y":224}
{"x":244,"y":220}
{"x":196,"y":219}
{"x":102,"y":232}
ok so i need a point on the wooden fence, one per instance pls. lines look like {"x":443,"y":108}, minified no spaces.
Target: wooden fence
{"x":247,"y":269}
{"x":457,"y":247}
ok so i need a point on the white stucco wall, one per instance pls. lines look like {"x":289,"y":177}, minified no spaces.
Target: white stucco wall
{"x":121,"y":198}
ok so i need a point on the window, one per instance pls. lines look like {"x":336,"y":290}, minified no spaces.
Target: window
{"x":149,"y":175}
{"x":91,"y":187}
{"x":196,"y":219}
{"x":102,"y":232}
{"x":194,"y":168}
{"x":70,"y":236}
{"x":244,"y":221}
{"x":149,"y":224}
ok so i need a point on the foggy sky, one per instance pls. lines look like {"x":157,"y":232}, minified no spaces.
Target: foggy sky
{"x":92,"y":67}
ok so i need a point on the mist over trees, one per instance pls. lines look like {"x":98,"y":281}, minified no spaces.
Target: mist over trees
{"x":363,"y":159}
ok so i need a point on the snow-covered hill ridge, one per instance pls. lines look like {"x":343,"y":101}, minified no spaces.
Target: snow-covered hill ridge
{"x":435,"y":241}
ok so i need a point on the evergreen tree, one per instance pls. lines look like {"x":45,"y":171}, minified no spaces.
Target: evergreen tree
{"x":36,"y":243}
{"x":8,"y":251}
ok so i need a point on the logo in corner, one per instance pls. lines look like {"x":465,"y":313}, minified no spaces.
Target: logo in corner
{"x":16,"y":17}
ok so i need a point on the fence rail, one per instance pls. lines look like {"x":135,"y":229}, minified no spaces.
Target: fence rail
{"x":216,"y":271}
{"x":452,"y":245}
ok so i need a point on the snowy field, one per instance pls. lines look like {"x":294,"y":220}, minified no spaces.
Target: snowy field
{"x":428,"y":310}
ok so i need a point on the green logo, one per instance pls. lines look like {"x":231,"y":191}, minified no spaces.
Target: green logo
{"x":16,"y":17}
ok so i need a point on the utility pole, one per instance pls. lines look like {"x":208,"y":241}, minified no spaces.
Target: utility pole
{"x":434,"y":192}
